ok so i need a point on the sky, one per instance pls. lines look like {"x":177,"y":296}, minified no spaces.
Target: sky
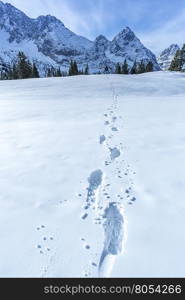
{"x":157,"y":23}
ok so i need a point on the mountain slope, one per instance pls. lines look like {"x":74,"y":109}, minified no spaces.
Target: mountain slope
{"x":127,"y":46}
{"x":166,"y":56}
{"x":47,"y":41}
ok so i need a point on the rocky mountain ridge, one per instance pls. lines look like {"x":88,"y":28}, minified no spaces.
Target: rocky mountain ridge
{"x":47,"y":42}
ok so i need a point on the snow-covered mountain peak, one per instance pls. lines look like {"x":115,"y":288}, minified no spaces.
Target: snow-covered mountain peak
{"x":48,"y":19}
{"x":15,"y":23}
{"x":126,"y":30}
{"x":101,"y":38}
{"x":126,"y":45}
{"x":125,"y":34}
{"x":101,"y":41}
{"x":47,"y":41}
{"x":123,"y":39}
{"x":167,"y":55}
{"x":11,"y":11}
{"x":170,"y":50}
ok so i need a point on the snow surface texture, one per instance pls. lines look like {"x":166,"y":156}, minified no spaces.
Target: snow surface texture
{"x":67,"y":209}
{"x":49,"y":43}
{"x":166,"y":56}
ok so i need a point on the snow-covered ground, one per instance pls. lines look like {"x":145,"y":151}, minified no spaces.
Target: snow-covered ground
{"x":92,"y":176}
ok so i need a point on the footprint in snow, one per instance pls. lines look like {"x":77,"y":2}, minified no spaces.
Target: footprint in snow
{"x":102,"y":139}
{"x":113,"y":231}
{"x":44,"y":240}
{"x":95,"y":181}
{"x":114,"y":129}
{"x":84,"y":216}
{"x":41,"y":227}
{"x":114,"y":153}
{"x":114,"y":119}
{"x":133,"y":199}
{"x":94,"y":265}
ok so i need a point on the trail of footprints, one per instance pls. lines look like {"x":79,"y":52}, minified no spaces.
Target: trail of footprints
{"x":45,"y":248}
{"x":110,"y":188}
{"x":45,"y":240}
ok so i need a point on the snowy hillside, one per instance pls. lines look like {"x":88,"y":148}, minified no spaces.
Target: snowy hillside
{"x":48,"y":42}
{"x":92,"y":176}
{"x":166,"y":56}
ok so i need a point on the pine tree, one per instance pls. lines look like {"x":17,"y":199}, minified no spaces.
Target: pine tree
{"x":86,"y":72}
{"x":10,"y":73}
{"x":48,"y":74}
{"x":177,"y":62}
{"x":35,"y":72}
{"x":15,"y":72}
{"x":183,"y":58}
{"x":183,"y":53}
{"x":106,"y":70}
{"x":71,"y":68}
{"x":124,"y":69}
{"x":134,"y":68}
{"x":118,"y":69}
{"x":24,"y":66}
{"x":149,"y":67}
{"x":58,"y":73}
{"x":75,"y":68}
{"x":140,"y":67}
{"x":3,"y":75}
{"x":5,"y":71}
{"x":54,"y":72}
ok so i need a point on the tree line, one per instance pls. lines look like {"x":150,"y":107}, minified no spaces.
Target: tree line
{"x":22,"y":68}
{"x":137,"y":68}
{"x":178,"y":63}
{"x":73,"y":69}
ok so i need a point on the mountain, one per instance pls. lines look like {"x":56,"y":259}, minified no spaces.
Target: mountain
{"x":47,"y":42}
{"x":125,"y":45}
{"x":166,"y":56}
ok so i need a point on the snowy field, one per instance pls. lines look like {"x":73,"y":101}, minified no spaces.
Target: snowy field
{"x":92,"y":172}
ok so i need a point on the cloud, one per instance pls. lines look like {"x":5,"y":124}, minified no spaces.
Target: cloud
{"x":171,"y":32}
{"x":83,"y":17}
{"x":86,"y":17}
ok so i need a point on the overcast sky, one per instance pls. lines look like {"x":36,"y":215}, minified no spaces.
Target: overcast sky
{"x":158,"y":23}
